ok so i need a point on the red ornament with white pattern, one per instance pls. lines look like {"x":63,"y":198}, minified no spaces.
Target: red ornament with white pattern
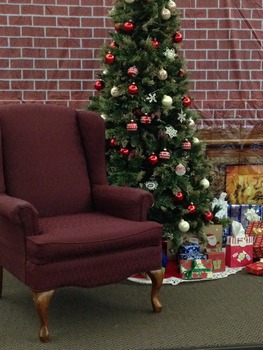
{"x":186,"y":145}
{"x":132,"y":71}
{"x":145,"y":119}
{"x":164,"y":154}
{"x":132,"y":126}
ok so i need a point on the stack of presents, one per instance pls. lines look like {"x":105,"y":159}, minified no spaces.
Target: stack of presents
{"x":238,"y":246}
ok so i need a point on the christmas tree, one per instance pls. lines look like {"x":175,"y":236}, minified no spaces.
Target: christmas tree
{"x":142,"y":93}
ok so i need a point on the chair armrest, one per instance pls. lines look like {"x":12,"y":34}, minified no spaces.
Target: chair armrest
{"x":124,"y":202}
{"x":19,"y":212}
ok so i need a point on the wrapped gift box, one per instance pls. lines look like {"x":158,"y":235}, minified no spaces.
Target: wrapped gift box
{"x":239,"y":251}
{"x":237,"y":212}
{"x":189,"y":248}
{"x":196,"y":269}
{"x":195,"y":256}
{"x":218,"y":260}
{"x":255,"y":229}
{"x":255,"y":268}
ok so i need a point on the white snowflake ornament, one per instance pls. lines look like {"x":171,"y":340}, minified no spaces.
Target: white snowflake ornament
{"x":151,"y":185}
{"x":151,"y":97}
{"x":170,"y":131}
{"x":170,"y":54}
{"x":181,"y":116}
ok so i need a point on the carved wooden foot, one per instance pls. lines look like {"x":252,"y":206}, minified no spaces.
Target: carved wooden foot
{"x":42,"y":301}
{"x":157,"y":280}
{"x":1,"y":281}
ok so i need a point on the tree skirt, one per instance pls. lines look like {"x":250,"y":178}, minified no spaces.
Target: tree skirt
{"x":172,"y":276}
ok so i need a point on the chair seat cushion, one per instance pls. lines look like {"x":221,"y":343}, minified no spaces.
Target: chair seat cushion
{"x":88,"y":234}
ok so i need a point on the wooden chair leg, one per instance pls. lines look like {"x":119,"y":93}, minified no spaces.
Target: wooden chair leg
{"x":1,"y":281}
{"x":157,"y":280}
{"x":42,"y":301}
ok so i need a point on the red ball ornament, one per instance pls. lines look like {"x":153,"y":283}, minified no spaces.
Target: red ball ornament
{"x":128,"y":26}
{"x":117,"y":27}
{"x":191,"y":208}
{"x":113,"y":142}
{"x":132,"y":126}
{"x":109,"y":58}
{"x":178,"y":37}
{"x":179,"y":196}
{"x":145,"y":119}
{"x":133,"y":89}
{"x":153,"y":159}
{"x":182,"y":73}
{"x":187,"y":101}
{"x":99,"y":85}
{"x":114,"y":44}
{"x":155,"y":43}
{"x":137,"y":112}
{"x":124,"y":151}
{"x":132,"y":71}
{"x":208,"y":216}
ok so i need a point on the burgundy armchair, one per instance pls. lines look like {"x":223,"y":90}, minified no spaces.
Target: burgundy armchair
{"x":61,"y":224}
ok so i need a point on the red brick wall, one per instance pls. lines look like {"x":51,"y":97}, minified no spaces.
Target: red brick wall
{"x":49,"y":53}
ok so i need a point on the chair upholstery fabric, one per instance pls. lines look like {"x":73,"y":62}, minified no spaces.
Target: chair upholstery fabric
{"x":61,"y":223}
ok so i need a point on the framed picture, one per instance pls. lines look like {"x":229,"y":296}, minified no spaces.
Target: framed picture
{"x":244,"y":183}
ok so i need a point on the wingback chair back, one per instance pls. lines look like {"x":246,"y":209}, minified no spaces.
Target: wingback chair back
{"x":61,"y":224}
{"x":46,"y":161}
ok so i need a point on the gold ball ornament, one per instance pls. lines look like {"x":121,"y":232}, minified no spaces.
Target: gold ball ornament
{"x":162,"y":74}
{"x":165,"y":14}
{"x":171,"y":6}
{"x":115,"y":92}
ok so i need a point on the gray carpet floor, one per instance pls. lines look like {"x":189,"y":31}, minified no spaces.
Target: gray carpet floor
{"x":196,"y":315}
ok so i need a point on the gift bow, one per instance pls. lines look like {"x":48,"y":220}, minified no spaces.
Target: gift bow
{"x":195,"y":268}
{"x":222,"y":203}
{"x":251,"y":215}
{"x":257,"y":230}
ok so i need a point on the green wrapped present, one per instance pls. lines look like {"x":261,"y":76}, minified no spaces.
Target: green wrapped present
{"x":196,"y":269}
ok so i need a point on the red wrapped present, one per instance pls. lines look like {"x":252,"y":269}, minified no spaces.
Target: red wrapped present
{"x":196,"y":269}
{"x":239,"y":251}
{"x":255,"y":268}
{"x":255,"y":229}
{"x":218,"y":260}
{"x":258,"y":246}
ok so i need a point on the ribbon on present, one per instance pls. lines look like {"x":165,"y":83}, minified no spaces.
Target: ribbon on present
{"x":257,"y":230}
{"x":222,"y":203}
{"x":251,"y":215}
{"x":195,"y":268}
